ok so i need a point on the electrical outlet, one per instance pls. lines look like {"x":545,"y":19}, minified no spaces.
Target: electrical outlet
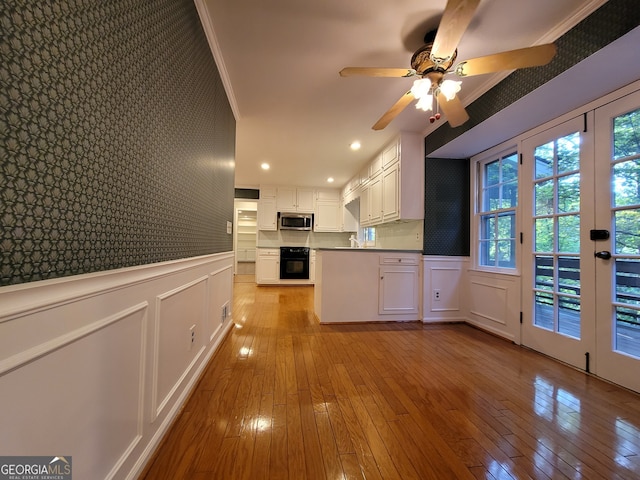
{"x":192,"y":336}
{"x":436,"y":294}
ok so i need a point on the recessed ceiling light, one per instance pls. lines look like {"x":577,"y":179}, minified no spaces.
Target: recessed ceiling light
{"x":265,"y":166}
{"x":355,"y":145}
{"x":330,"y":179}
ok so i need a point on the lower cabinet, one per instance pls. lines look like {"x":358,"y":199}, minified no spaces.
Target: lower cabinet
{"x":367,"y":285}
{"x":268,"y":266}
{"x":398,"y":289}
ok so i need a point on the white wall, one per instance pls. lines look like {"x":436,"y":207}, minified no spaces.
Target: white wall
{"x":97,"y":366}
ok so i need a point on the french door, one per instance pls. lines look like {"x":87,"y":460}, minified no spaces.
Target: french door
{"x":558,"y":266}
{"x":581,"y":264}
{"x":618,"y":277}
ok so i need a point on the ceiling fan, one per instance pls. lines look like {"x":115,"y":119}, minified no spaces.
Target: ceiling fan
{"x":435,"y":59}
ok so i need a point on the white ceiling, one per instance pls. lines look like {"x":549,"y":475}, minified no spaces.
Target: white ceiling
{"x":280,"y":60}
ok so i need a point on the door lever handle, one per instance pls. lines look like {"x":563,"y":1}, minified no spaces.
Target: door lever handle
{"x":604,"y":254}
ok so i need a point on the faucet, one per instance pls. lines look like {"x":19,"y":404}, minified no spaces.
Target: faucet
{"x":355,"y":242}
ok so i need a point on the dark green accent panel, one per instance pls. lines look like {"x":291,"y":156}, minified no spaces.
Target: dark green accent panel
{"x":247,"y":193}
{"x":611,"y":21}
{"x":446,"y":207}
{"x":117,"y":140}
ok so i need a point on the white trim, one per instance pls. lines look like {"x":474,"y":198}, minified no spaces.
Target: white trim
{"x":214,"y":45}
{"x":29,"y":298}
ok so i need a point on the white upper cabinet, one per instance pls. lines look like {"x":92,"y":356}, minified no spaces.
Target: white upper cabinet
{"x":390,"y":155}
{"x":394,"y":187}
{"x":328,"y":216}
{"x":292,"y":199}
{"x":375,"y":167}
{"x":267,"y":214}
{"x":391,"y":193}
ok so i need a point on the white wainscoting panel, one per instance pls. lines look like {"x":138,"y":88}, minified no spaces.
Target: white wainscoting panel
{"x":97,"y":366}
{"x":445,"y":275}
{"x":179,"y":325}
{"x":494,"y":303}
{"x":67,"y":399}
{"x":219,"y":294}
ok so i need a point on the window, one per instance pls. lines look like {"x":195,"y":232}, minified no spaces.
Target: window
{"x":498,"y":192}
{"x":369,"y":235}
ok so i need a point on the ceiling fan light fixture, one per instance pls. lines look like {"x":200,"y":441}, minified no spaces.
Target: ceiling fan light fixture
{"x":421,"y":88}
{"x":449,"y":88}
{"x":425,"y":103}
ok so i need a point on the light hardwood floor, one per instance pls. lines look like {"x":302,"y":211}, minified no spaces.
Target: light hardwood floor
{"x":285,"y":397}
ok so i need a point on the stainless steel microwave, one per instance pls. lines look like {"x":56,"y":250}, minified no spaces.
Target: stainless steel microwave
{"x":295,"y":221}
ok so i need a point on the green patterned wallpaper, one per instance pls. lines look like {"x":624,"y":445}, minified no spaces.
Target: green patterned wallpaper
{"x":116,"y":137}
{"x":446,"y":207}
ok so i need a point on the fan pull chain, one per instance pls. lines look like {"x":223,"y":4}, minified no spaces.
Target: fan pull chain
{"x":437,"y":115}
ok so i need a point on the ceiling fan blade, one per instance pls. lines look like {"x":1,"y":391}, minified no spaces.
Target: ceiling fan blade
{"x":521,"y":58}
{"x":455,"y":20}
{"x":394,"y":111}
{"x":453,"y":110}
{"x":377,"y":72}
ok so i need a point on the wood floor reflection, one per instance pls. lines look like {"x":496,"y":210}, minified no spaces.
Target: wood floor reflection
{"x":287,"y":398}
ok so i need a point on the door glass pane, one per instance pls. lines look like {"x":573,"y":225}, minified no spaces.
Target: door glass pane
{"x":544,"y":156}
{"x":569,"y":306}
{"x":543,"y":315}
{"x":569,"y":275}
{"x":627,"y":228}
{"x":544,"y":196}
{"x":627,"y":318}
{"x":544,"y":235}
{"x":569,"y":153}
{"x":569,"y":234}
{"x":569,"y":316}
{"x":626,"y":141}
{"x":544,"y":273}
{"x":627,"y":327}
{"x":626,"y":183}
{"x":627,"y":281}
{"x":569,"y":193}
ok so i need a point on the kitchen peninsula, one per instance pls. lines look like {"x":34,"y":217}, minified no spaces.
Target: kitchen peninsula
{"x":356,"y":285}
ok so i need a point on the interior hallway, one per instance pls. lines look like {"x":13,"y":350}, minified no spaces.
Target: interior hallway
{"x":285,"y":397}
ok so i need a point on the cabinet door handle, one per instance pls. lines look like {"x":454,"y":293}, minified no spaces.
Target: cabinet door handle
{"x":381,"y":278}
